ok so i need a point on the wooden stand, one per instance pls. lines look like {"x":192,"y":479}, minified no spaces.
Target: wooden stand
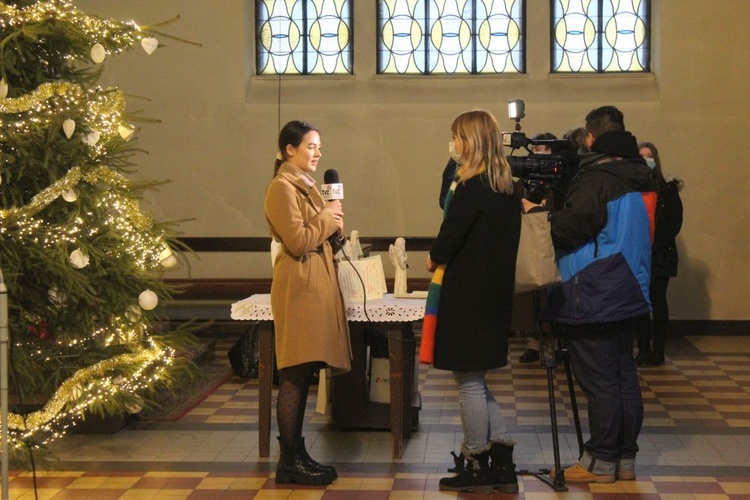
{"x":352,"y":407}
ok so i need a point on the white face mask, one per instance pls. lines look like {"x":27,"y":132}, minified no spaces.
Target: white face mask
{"x":452,"y":151}
{"x":651,"y":163}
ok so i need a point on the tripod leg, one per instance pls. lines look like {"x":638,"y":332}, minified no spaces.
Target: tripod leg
{"x":549,"y":361}
{"x":558,"y":483}
{"x":572,"y":392}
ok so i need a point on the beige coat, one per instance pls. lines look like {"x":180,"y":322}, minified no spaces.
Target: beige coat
{"x":308,"y":309}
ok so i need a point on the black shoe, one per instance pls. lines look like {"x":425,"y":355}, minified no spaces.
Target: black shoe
{"x":654,"y":360}
{"x":503,"y":469}
{"x":530,"y":356}
{"x":643,"y":358}
{"x":302,"y":451}
{"x":475,"y":478}
{"x":293,"y":468}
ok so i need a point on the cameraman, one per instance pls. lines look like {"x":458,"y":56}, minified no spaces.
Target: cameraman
{"x":602,"y":236}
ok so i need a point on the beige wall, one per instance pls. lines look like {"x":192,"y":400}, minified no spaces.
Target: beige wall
{"x":387,"y":136}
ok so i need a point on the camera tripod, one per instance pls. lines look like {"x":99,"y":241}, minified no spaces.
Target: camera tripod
{"x":551,"y":344}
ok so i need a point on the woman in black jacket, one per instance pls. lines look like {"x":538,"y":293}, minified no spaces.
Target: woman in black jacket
{"x":477,"y":248}
{"x":652,"y":330}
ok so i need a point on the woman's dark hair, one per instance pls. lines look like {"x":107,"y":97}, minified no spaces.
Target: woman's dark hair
{"x":656,"y":173}
{"x":292,"y":133}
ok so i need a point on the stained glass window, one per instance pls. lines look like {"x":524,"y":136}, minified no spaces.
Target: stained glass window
{"x":450,"y":36}
{"x":600,"y":36}
{"x":303,"y":37}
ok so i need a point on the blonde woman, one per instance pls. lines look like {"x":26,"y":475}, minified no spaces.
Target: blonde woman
{"x":477,"y":247}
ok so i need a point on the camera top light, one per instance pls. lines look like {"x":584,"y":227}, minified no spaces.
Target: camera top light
{"x":516,"y":109}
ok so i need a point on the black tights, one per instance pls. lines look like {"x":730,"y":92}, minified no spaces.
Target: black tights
{"x":294,"y":384}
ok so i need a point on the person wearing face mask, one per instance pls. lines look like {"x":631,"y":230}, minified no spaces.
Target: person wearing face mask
{"x":308,"y":309}
{"x":471,"y":297}
{"x":449,"y":174}
{"x":652,"y":330}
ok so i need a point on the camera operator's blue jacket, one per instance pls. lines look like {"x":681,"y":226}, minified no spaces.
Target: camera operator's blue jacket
{"x":603,"y":237}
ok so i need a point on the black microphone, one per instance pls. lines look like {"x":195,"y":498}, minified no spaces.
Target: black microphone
{"x":331,"y":189}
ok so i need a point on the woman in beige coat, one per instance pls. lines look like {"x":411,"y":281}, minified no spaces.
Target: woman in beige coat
{"x":308,"y":309}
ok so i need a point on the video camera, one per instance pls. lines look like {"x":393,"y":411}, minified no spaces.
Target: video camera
{"x":534,"y":166}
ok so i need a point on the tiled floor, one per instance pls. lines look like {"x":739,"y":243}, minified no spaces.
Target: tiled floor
{"x":695,"y":441}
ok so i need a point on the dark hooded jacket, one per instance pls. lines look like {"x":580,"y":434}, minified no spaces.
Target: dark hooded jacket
{"x":603,"y":237}
{"x":668,"y":224}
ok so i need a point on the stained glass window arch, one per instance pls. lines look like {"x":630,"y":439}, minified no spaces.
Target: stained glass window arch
{"x":303,"y":37}
{"x":600,"y":36}
{"x":451,"y":36}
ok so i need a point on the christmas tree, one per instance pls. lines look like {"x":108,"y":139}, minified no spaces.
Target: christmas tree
{"x":81,"y":260}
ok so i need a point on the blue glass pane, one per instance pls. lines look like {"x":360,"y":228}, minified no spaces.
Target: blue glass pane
{"x":450,"y":36}
{"x":401,"y":42}
{"x":600,"y":36}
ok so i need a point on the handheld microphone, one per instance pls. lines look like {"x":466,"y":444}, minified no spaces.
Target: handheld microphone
{"x":331,"y":189}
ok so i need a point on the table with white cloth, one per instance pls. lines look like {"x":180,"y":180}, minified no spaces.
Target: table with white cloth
{"x":394,"y":317}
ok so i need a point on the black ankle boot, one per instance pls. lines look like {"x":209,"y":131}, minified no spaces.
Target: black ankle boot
{"x":302,"y":452}
{"x":475,"y":478}
{"x":459,"y":463}
{"x":503,"y":469}
{"x":293,"y":468}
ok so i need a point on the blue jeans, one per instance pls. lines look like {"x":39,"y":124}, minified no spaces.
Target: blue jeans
{"x":601,"y":357}
{"x":480,"y":414}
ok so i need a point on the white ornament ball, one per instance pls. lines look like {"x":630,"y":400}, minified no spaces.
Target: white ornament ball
{"x":70,"y":195}
{"x":91,"y":138}
{"x":167,"y":258}
{"x":149,"y":45}
{"x":133,"y":313}
{"x":69,"y":126}
{"x":3,"y":89}
{"x":148,"y":300}
{"x":98,"y":53}
{"x":79,"y":259}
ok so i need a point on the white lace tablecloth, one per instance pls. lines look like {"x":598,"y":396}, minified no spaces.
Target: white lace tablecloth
{"x":258,"y":308}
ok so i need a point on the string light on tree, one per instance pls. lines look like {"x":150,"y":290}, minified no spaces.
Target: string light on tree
{"x":55,"y":97}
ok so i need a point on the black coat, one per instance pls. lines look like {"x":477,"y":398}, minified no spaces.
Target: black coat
{"x":479,"y":242}
{"x":664,"y":257}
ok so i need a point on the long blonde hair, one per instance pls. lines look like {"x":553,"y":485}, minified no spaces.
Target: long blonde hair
{"x":482,"y":149}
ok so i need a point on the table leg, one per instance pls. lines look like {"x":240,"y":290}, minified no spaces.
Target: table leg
{"x":401,"y":354}
{"x":265,"y":382}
